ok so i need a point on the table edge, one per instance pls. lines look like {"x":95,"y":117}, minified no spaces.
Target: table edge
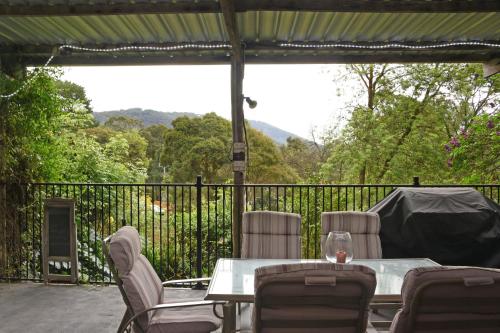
{"x":250,"y":298}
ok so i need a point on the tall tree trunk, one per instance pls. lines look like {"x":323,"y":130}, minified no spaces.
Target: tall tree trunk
{"x":407,"y":130}
{"x":362,"y":173}
{"x":370,"y":79}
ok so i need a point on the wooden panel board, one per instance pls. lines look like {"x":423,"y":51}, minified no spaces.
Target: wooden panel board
{"x":59,"y":231}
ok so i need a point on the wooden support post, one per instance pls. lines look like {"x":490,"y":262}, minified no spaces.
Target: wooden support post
{"x":239,"y":158}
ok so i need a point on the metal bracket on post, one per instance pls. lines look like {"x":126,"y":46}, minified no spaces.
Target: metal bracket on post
{"x":239,"y":158}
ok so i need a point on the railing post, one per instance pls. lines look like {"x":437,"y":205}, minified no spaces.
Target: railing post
{"x":199,"y":271}
{"x":416,"y":181}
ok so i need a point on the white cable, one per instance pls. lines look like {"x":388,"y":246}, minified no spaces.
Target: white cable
{"x":27,"y":82}
{"x":385,"y":46}
{"x":150,"y":48}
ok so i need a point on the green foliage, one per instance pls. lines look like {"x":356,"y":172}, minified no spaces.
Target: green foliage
{"x":155,"y":137}
{"x":474,"y":154}
{"x":152,"y":117}
{"x":398,"y":131}
{"x":73,"y":92}
{"x":202,"y":146}
{"x":30,"y":125}
{"x":123,"y":123}
{"x":410,"y":111}
{"x":198,"y":146}
{"x":266,"y":163}
{"x":302,"y":157}
{"x":49,"y":136}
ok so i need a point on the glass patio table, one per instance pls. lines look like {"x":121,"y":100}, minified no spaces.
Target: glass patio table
{"x":233,"y":279}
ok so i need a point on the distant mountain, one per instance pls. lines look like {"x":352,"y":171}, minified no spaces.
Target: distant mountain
{"x":277,"y":134}
{"x":152,"y":117}
{"x":148,"y":117}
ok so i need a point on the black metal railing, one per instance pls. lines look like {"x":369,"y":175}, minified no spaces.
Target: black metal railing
{"x":184,"y":228}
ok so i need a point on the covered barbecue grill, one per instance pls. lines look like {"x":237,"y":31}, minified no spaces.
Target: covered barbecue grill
{"x":453,"y":226}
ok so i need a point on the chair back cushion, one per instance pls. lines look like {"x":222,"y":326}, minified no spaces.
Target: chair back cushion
{"x":449,"y":299}
{"x":271,"y":235}
{"x":364,"y":228}
{"x":140,"y":283}
{"x":312,"y":297}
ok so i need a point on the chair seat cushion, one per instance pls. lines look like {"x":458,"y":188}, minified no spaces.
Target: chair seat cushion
{"x":197,"y":319}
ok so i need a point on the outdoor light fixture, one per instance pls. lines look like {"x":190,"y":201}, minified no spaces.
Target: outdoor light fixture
{"x":251,"y":103}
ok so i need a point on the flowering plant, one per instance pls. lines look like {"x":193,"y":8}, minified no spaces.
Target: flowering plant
{"x":474,"y":154}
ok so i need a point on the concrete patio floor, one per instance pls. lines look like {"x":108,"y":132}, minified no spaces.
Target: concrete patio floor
{"x":34,"y":307}
{"x":56,"y":308}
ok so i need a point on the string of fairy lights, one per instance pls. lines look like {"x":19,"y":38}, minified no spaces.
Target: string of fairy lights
{"x":145,"y":48}
{"x":384,"y":46}
{"x":227,"y":46}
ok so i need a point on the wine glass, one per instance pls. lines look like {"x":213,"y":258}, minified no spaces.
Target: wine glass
{"x":338,"y":247}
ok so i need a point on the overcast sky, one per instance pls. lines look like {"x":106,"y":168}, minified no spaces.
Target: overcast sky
{"x":295,"y":98}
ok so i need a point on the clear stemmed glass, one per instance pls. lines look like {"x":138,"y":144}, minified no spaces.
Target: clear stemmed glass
{"x":339,"y":247}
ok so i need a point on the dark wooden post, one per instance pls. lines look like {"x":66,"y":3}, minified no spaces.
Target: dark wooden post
{"x":239,"y":158}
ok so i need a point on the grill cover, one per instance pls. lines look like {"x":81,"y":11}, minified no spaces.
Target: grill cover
{"x":452,"y":226}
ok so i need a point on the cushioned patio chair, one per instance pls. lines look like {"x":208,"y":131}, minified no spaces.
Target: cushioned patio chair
{"x":364,"y":228}
{"x":271,"y":235}
{"x":449,"y":299}
{"x":313,"y":298}
{"x":149,"y":307}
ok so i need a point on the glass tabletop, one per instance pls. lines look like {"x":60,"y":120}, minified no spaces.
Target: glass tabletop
{"x":233,"y":279}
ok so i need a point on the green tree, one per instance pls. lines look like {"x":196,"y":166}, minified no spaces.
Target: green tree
{"x":30,"y":120}
{"x":202,"y":146}
{"x":155,"y":137}
{"x":473,"y":155}
{"x":304,"y":157}
{"x":101,"y":133}
{"x":266,"y":163}
{"x":73,"y":92}
{"x":123,"y":123}
{"x":198,"y":146}
{"x":410,"y":112}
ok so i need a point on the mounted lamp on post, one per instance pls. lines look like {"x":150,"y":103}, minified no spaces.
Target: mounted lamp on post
{"x":252,"y":104}
{"x":240,"y":149}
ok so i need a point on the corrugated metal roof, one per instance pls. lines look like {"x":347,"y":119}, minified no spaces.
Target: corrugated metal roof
{"x":262,"y":31}
{"x":369,"y":27}
{"x":254,"y":27}
{"x":112,"y":29}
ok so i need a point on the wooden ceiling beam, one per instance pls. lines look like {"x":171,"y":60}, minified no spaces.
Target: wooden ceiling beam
{"x":372,"y":6}
{"x":125,"y":60}
{"x":110,"y":9}
{"x":262,"y":52}
{"x":252,"y":58}
{"x":395,"y":58}
{"x":250,"y":48}
{"x":229,"y":14}
{"x":164,"y":7}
